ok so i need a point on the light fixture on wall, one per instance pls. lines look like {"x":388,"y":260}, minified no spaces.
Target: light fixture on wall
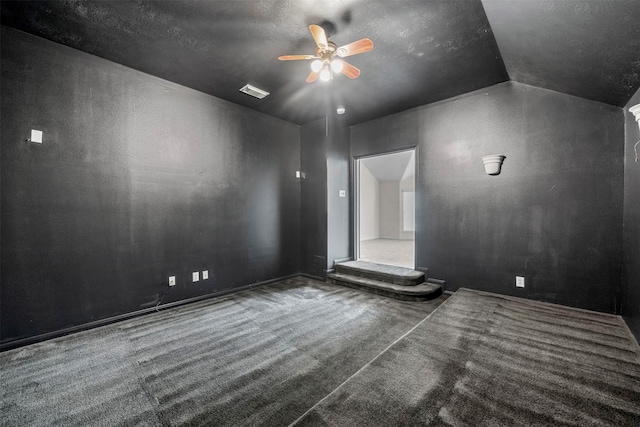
{"x":635,"y":110}
{"x":493,"y":163}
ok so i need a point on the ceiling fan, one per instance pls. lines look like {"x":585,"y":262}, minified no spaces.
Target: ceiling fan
{"x":325,"y":62}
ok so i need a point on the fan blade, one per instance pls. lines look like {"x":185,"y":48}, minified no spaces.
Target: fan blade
{"x":312,"y":77}
{"x":349,"y":70}
{"x":295,"y":57}
{"x":361,"y":46}
{"x":319,"y":36}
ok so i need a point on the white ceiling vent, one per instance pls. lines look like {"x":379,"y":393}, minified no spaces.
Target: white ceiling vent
{"x":254,"y":91}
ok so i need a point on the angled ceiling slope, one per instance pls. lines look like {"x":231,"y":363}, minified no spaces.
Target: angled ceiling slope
{"x":425,"y":50}
{"x":390,"y":167}
{"x":587,"y":48}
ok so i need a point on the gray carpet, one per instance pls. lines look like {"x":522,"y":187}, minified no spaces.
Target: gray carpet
{"x":487,"y":360}
{"x":259,"y":357}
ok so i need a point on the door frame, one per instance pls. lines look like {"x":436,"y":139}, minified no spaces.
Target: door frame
{"x":356,"y":198}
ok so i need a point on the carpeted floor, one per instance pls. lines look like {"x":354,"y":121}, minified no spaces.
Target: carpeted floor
{"x":388,"y":251}
{"x":487,"y":360}
{"x":259,"y":357}
{"x":310,"y":353}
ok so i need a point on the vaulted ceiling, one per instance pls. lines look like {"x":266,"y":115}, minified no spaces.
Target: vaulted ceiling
{"x":424,"y":50}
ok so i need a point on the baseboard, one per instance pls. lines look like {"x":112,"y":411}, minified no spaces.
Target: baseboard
{"x":424,"y":270}
{"x":21,"y":342}
{"x":441,"y":283}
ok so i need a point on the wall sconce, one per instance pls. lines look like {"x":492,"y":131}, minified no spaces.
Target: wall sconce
{"x":635,"y":110}
{"x":493,"y":163}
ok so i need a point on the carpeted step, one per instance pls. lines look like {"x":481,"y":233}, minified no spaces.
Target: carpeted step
{"x":380,"y":272}
{"x":421,"y":292}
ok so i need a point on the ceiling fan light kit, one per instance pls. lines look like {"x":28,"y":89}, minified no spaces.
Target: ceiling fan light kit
{"x":325,"y":63}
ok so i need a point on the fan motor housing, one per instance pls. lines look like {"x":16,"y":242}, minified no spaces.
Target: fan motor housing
{"x":326,"y":54}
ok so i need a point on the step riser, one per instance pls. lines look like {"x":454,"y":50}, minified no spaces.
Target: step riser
{"x":376,"y":276}
{"x":383,"y":292}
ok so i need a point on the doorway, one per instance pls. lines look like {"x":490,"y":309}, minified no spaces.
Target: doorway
{"x":385,"y":208}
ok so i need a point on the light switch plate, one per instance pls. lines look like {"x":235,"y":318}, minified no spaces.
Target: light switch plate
{"x":36,"y":136}
{"x":172,"y":280}
{"x":205,"y":274}
{"x":342,"y":193}
{"x":196,"y":276}
{"x":519,"y":282}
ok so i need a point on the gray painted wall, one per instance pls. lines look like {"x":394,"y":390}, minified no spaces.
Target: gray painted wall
{"x":339,"y":245}
{"x":313,"y":198}
{"x":631,"y":301}
{"x":554,"y":215}
{"x":137,"y":179}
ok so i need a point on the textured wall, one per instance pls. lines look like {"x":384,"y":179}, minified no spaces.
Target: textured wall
{"x":631,"y":301}
{"x":313,"y":198}
{"x":137,"y":179}
{"x":338,"y":220}
{"x":554,"y":215}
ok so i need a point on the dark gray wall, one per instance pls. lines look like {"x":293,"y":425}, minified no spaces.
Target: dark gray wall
{"x":313,"y":198}
{"x":554,"y":215}
{"x":338,"y":219}
{"x":137,"y":179}
{"x":324,"y":214}
{"x":631,"y":302}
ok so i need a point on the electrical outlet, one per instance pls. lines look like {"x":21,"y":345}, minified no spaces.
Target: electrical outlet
{"x":172,"y":280}
{"x":196,"y":276}
{"x":205,"y":274}
{"x":519,"y":282}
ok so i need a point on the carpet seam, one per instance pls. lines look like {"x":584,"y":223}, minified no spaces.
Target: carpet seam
{"x":368,"y":363}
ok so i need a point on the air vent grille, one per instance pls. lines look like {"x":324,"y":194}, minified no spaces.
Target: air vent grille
{"x":254,"y":91}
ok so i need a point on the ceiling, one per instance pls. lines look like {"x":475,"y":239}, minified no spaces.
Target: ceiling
{"x":393,"y":167}
{"x":424,"y":50}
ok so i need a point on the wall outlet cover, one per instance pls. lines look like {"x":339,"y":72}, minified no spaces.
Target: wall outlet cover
{"x":172,"y":280}
{"x":205,"y":274}
{"x":519,"y":282}
{"x":196,"y":276}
